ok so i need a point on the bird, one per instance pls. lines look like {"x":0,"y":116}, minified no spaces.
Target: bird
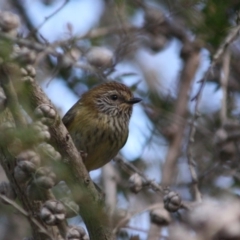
{"x":99,"y":122}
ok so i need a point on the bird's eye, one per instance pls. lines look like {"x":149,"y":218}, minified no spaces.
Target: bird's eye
{"x":114,"y":97}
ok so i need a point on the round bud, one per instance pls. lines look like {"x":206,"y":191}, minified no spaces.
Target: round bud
{"x":41,"y":131}
{"x":100,"y":57}
{"x":76,"y":233}
{"x":220,"y":136}
{"x":24,"y":72}
{"x":46,"y":113}
{"x":48,"y":152}
{"x":29,"y":57}
{"x":160,"y":216}
{"x":31,"y":71}
{"x":24,"y":55}
{"x":20,"y":175}
{"x":52,"y":212}
{"x":172,"y":201}
{"x":69,"y":58}
{"x":45,"y":178}
{"x":28,"y":161}
{"x":27,"y":79}
{"x":8,"y":21}
{"x":135,"y":183}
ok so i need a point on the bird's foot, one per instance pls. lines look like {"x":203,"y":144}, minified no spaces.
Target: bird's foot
{"x":83,"y":154}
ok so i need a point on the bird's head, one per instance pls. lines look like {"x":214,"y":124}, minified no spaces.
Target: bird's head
{"x":111,"y":98}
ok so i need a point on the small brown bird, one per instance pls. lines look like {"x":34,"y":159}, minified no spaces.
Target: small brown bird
{"x":98,"y":122}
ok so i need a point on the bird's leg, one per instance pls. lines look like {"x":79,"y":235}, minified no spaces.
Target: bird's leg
{"x":83,"y":155}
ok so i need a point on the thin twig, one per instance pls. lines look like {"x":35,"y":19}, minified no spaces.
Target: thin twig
{"x":228,"y":40}
{"x":100,"y":32}
{"x":50,"y":16}
{"x":153,"y":184}
{"x":42,"y":229}
{"x":211,"y":169}
{"x":191,"y":164}
{"x":19,"y":6}
{"x":224,"y":83}
{"x":31,"y":44}
{"x":123,"y":221}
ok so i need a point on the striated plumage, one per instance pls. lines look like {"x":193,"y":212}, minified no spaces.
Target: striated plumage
{"x":98,"y":122}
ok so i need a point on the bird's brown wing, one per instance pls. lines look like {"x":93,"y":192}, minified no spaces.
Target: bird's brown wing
{"x":68,"y":118}
{"x":125,"y":138}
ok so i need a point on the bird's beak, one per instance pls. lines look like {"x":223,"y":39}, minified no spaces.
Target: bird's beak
{"x":134,"y":100}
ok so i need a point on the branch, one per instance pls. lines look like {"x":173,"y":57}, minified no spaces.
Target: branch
{"x":148,"y":182}
{"x":22,"y":12}
{"x":124,"y":220}
{"x":104,"y":31}
{"x":49,"y":49}
{"x":224,"y":83}
{"x":191,"y":164}
{"x":191,"y":63}
{"x":50,"y":16}
{"x":110,"y":186}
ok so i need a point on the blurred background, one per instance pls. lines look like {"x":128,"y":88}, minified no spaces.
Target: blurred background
{"x":150,"y":60}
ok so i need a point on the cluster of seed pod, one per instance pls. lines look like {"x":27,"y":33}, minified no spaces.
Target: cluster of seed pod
{"x":159,"y":216}
{"x":35,"y":157}
{"x":9,"y":23}
{"x":34,"y":166}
